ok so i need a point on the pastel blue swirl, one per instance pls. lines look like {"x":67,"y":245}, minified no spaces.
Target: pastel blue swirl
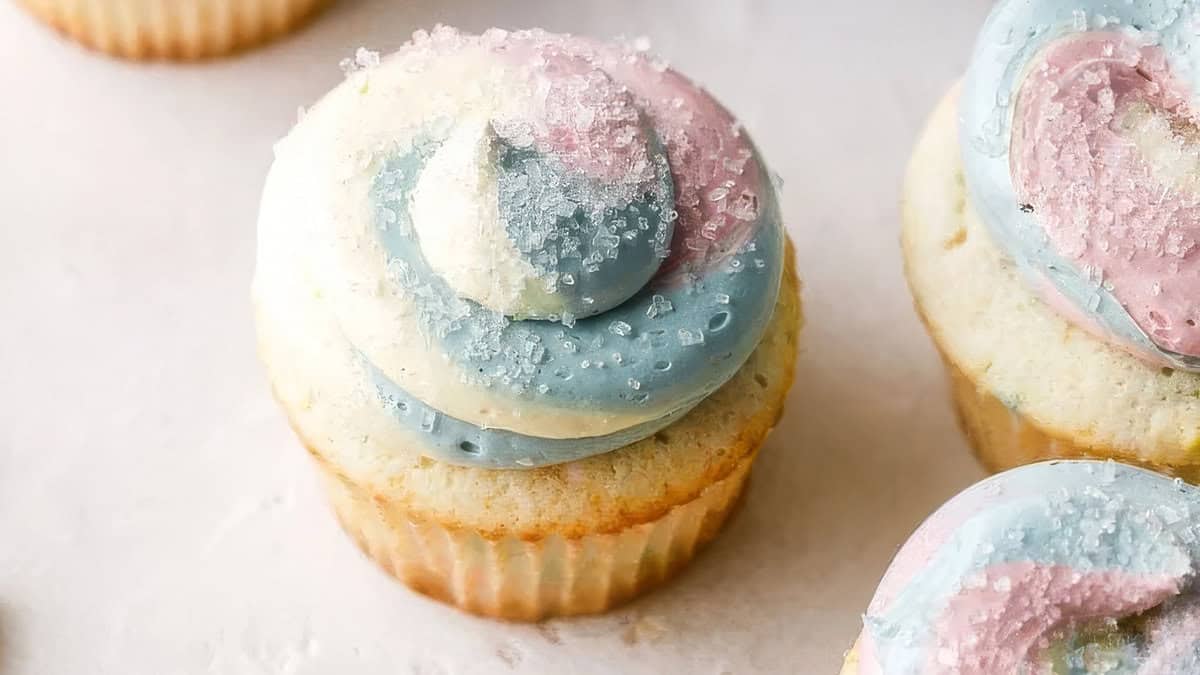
{"x":669,"y":345}
{"x":606,"y":261}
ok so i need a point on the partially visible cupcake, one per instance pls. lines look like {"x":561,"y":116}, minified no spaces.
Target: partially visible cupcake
{"x":1052,"y":234}
{"x":528,"y":301}
{"x":1079,"y":567}
{"x":173,"y":29}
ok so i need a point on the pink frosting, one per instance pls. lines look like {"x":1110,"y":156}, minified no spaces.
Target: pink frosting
{"x":593,"y":93}
{"x":1002,"y":620}
{"x":717,"y":183}
{"x":931,"y":536}
{"x":1099,"y":199}
{"x":592,"y":122}
{"x":915,"y":555}
{"x":1000,"y":625}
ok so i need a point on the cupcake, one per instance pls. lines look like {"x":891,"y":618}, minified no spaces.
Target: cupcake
{"x":172,"y":29}
{"x":527,"y":300}
{"x":1078,"y":567}
{"x":1051,"y":221}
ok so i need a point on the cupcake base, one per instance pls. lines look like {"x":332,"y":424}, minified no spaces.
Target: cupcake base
{"x":1003,"y":439}
{"x":173,"y":29}
{"x":573,"y":538}
{"x":529,"y":580}
{"x":1028,"y":384}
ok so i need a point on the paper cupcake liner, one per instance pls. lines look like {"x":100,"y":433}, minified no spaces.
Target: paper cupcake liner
{"x":1004,"y":439}
{"x":172,"y":29}
{"x":522,"y":580}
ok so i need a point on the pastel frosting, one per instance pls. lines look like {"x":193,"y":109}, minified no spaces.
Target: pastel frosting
{"x":539,"y":247}
{"x":1072,"y":567}
{"x":1081,"y":153}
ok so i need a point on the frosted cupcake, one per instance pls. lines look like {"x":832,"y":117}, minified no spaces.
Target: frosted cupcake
{"x":527,"y":300}
{"x":1051,"y":217}
{"x":1087,"y":568}
{"x":173,"y":29}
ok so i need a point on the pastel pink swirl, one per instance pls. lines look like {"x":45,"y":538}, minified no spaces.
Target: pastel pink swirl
{"x":1091,"y":109}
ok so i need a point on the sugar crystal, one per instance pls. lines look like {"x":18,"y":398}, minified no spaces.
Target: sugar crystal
{"x":620,"y":328}
{"x":659,"y":306}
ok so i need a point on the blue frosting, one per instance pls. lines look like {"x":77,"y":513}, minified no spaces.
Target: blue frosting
{"x":1088,"y":516}
{"x":593,"y":266}
{"x":1015,"y":32}
{"x":450,"y":437}
{"x":668,"y":346}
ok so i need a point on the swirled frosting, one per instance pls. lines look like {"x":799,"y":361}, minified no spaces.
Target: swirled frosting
{"x":1076,"y":567}
{"x":1082,"y":154}
{"x":539,"y":247}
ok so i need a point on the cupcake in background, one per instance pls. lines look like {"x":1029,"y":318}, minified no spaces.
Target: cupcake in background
{"x":1052,"y":235}
{"x":528,"y":301}
{"x":182,"y":30}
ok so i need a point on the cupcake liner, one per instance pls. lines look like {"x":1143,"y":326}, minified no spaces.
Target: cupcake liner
{"x":570,"y":558}
{"x":529,"y":580}
{"x":172,"y":29}
{"x":1003,"y":438}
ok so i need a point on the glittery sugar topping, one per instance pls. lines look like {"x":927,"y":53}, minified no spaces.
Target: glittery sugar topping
{"x":569,"y":224}
{"x":1081,"y":153}
{"x":1087,"y":568}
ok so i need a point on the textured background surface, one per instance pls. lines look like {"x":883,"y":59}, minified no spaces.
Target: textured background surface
{"x":156,"y":515}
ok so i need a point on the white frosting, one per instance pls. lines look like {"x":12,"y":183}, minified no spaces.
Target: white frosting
{"x":316,"y":216}
{"x":455,"y":211}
